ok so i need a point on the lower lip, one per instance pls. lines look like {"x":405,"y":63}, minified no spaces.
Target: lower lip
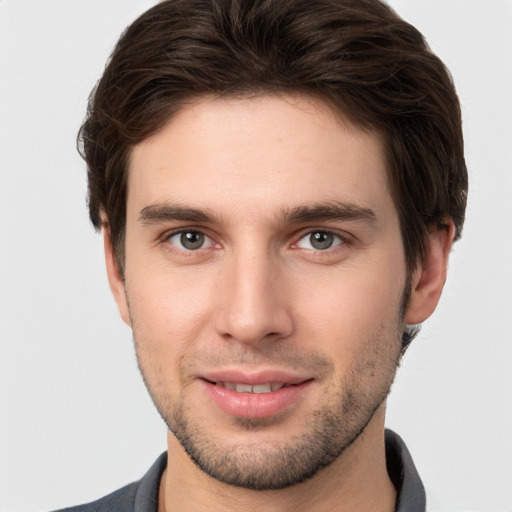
{"x":255,"y":405}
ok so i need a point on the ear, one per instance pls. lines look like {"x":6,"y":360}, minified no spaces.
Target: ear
{"x":430,"y":275}
{"x":115,"y":280}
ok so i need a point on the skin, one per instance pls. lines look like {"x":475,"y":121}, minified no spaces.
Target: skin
{"x":258,"y":294}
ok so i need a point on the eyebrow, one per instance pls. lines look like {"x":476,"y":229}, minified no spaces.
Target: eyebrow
{"x":164,"y":212}
{"x":332,"y":210}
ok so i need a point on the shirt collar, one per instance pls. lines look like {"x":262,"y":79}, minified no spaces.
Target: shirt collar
{"x":401,"y":469}
{"x":403,"y":474}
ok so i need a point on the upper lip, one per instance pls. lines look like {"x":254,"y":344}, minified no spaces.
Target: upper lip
{"x":254,"y":378}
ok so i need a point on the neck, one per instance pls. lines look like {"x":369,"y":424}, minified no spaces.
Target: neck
{"x":357,"y":481}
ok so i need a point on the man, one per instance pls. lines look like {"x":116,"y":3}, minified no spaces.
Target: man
{"x":278,"y":185}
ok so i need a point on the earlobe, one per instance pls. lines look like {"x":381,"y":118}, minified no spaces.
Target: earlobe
{"x":115,"y":280}
{"x":430,"y":275}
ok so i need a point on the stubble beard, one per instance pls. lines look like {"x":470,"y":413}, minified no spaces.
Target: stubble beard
{"x":327,"y":433}
{"x":258,"y":467}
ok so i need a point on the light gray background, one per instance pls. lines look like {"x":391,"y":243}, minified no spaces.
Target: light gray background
{"x":75,"y":419}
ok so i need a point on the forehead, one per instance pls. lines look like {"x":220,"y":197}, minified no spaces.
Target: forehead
{"x":261,"y":155}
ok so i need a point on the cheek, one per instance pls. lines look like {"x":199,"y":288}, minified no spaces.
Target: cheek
{"x":168,"y":312}
{"x":166,"y":328}
{"x":352,"y":311}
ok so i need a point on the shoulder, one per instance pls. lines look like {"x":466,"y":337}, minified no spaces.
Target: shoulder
{"x":141,"y":496}
{"x":121,"y":500}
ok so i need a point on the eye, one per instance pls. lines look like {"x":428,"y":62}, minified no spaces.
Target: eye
{"x":190,"y":240}
{"x":320,"y":241}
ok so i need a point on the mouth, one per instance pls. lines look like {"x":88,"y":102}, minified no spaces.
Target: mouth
{"x":256,"y":396}
{"x":248,"y":388}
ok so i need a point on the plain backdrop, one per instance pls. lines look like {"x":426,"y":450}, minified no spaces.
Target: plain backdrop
{"x":75,"y":418}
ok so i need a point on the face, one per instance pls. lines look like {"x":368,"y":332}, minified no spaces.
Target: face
{"x":264,"y":280}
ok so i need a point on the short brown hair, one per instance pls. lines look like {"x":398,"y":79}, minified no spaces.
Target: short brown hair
{"x":357,"y":54}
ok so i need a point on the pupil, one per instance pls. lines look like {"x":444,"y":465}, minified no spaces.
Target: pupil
{"x":192,"y":240}
{"x":321,"y":240}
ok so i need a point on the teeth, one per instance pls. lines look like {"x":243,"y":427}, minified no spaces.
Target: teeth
{"x":243,"y":388}
{"x":261,"y":388}
{"x":247,"y":388}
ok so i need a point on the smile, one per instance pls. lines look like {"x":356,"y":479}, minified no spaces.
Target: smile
{"x":247,"y":388}
{"x":260,"y":399}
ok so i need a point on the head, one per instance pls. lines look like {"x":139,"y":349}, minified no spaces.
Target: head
{"x":353,"y":61}
{"x":358,"y":56}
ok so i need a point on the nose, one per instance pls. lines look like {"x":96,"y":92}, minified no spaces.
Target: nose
{"x":253,"y":302}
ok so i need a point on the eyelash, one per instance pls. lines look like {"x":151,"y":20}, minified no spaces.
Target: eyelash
{"x":166,"y":239}
{"x":340,"y":241}
{"x":336,"y":240}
